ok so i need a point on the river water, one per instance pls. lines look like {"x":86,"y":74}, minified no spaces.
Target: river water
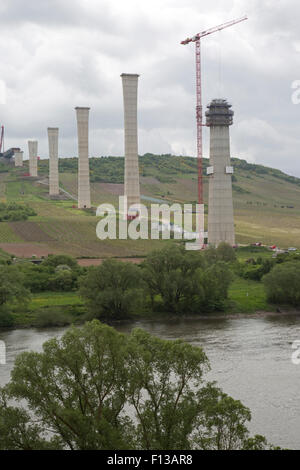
{"x":251,"y":359}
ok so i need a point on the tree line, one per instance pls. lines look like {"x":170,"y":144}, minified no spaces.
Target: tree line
{"x":171,"y":280}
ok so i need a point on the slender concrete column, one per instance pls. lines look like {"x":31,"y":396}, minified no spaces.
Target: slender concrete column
{"x":220,"y":206}
{"x":53,"y":161}
{"x":19,"y":158}
{"x":33,"y":150}
{"x":84,"y":193}
{"x":132,"y":178}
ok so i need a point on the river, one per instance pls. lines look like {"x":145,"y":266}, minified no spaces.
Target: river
{"x":250,"y":359}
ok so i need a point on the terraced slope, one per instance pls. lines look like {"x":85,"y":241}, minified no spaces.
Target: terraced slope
{"x":266,"y":205}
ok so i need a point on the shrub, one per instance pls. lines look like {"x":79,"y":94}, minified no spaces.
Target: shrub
{"x":58,"y":260}
{"x":50,"y":317}
{"x":255,"y":272}
{"x":6,"y":318}
{"x":282,"y":284}
{"x":15,"y":212}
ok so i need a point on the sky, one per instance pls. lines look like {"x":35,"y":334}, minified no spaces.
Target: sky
{"x":56,"y":55}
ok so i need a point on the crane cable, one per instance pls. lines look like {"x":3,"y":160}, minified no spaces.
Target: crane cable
{"x":220,"y":84}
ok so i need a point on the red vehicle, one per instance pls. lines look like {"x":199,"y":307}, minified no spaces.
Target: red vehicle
{"x":132,"y":217}
{"x":273,"y":247}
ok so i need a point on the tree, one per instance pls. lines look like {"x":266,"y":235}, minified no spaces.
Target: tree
{"x":12,"y":292}
{"x":282,"y":284}
{"x":185,"y":281}
{"x":96,"y":388}
{"x":170,"y":273}
{"x":63,"y":280}
{"x":226,"y":253}
{"x":36,"y":277}
{"x":215,"y":282}
{"x":112,"y":290}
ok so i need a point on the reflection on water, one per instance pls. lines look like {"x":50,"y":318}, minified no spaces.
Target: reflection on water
{"x":250,"y":360}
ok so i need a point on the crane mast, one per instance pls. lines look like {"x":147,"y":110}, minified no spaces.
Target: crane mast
{"x":199,"y":111}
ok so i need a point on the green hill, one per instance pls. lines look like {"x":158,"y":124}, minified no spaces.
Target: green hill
{"x":266,"y":204}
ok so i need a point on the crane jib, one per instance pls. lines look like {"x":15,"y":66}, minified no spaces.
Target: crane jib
{"x":197,"y":39}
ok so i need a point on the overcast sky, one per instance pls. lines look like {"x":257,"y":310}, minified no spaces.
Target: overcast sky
{"x":58,"y":54}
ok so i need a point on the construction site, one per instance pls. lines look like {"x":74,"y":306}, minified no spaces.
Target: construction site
{"x":67,"y":194}
{"x":149,"y":261}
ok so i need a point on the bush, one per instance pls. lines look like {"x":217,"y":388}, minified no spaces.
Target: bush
{"x":63,"y":280}
{"x":6,"y":318}
{"x":36,"y":277}
{"x":49,"y":318}
{"x":58,"y":260}
{"x":255,"y":272}
{"x":56,"y":273}
{"x":12,"y":290}
{"x":15,"y":212}
{"x":282,"y":284}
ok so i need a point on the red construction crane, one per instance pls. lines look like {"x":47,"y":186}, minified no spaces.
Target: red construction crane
{"x":199,"y":114}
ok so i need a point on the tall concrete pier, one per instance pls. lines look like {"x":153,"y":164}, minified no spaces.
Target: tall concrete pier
{"x":84,"y":193}
{"x":220,"y":207}
{"x":132,"y":177}
{"x":33,"y":150}
{"x":53,"y":161}
{"x":19,"y":158}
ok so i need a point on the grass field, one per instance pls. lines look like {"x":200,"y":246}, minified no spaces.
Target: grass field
{"x":51,"y":309}
{"x":7,"y":234}
{"x":247,"y":297}
{"x":48,"y":299}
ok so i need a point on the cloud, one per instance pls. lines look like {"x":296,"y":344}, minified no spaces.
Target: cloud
{"x":57,"y":55}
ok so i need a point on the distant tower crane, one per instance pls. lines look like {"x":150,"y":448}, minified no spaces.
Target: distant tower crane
{"x":199,"y":113}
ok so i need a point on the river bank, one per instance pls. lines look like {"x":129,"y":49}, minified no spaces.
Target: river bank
{"x":246,"y":299}
{"x":57,"y":318}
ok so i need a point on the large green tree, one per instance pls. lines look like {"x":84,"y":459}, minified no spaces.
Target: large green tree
{"x":96,"y":388}
{"x":112,"y":290}
{"x":186,"y":281}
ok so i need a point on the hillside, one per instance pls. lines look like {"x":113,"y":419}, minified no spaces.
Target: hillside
{"x":266,"y":204}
